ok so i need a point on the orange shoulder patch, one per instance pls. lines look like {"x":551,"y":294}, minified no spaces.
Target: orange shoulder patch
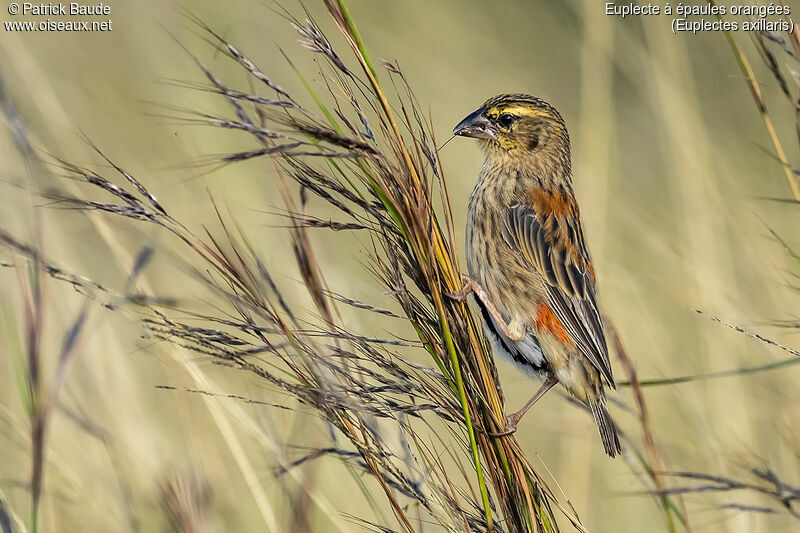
{"x":555,"y":203}
{"x":546,"y":320}
{"x":590,"y":269}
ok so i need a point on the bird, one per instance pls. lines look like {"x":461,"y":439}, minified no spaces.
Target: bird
{"x":527,"y":260}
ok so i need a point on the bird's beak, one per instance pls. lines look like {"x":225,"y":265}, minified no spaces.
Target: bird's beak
{"x":477,"y":126}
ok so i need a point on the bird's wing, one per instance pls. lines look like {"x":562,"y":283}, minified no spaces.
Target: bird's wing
{"x":548,"y":234}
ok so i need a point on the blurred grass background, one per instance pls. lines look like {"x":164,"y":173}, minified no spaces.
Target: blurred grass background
{"x":670,"y":170}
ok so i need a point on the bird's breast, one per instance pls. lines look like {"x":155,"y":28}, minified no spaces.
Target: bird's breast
{"x":514,"y":287}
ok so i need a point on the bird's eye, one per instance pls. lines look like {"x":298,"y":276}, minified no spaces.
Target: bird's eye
{"x":505,"y":120}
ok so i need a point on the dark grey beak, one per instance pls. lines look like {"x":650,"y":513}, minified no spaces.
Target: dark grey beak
{"x":477,"y":126}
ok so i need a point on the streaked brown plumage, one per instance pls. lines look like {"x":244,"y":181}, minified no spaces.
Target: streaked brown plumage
{"x":528,"y":264}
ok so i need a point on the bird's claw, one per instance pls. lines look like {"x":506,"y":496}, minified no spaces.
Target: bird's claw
{"x":461,"y":294}
{"x":510,"y":427}
{"x":458,"y":296}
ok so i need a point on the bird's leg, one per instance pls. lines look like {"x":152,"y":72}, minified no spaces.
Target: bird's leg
{"x":513,"y":419}
{"x":515,"y":330}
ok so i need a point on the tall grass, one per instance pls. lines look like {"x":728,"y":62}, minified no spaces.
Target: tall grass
{"x":375,"y":163}
{"x":757,"y":478}
{"x":405,"y":413}
{"x":372,"y":157}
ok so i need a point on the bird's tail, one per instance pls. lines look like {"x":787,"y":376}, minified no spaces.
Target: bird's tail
{"x":608,"y":431}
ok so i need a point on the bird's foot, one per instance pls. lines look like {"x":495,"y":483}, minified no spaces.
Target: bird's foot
{"x":515,"y":330}
{"x":510,"y":427}
{"x":513,"y":419}
{"x":461,"y":294}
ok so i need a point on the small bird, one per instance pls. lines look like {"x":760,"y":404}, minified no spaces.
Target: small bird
{"x":527,"y":260}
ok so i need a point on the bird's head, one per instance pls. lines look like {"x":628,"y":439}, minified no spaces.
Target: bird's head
{"x":517,"y":125}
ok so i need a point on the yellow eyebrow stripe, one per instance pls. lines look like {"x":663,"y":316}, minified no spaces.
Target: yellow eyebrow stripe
{"x":519,"y":111}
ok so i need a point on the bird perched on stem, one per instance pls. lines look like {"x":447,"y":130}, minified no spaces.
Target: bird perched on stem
{"x":528,"y":263}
